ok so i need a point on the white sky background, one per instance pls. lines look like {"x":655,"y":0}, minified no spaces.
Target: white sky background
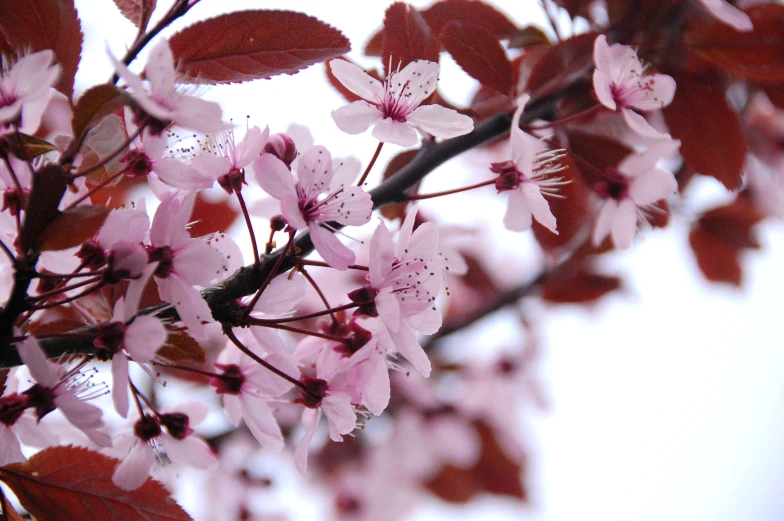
{"x":667,"y":400}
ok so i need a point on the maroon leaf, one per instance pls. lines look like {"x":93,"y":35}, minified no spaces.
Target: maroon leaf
{"x":36,"y":25}
{"x":181,"y":347}
{"x":75,"y":484}
{"x":712,"y":140}
{"x":137,"y":11}
{"x":578,"y":286}
{"x":719,"y":237}
{"x":251,"y":45}
{"x":478,"y":54}
{"x":406,"y":38}
{"x":24,"y":146}
{"x":480,"y":13}
{"x":593,"y":154}
{"x":92,"y":106}
{"x":495,"y":473}
{"x":374,"y":46}
{"x":755,"y":55}
{"x":73,"y":227}
{"x":528,"y":37}
{"x":212,"y":216}
{"x":398,"y":210}
{"x":488,"y":102}
{"x":561,"y":64}
{"x":575,"y":8}
{"x":49,"y":185}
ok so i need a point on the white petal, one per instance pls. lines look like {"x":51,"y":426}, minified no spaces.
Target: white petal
{"x":334,"y":252}
{"x":144,"y":337}
{"x":191,"y":451}
{"x":604,"y":221}
{"x":653,"y":186}
{"x":440,"y":121}
{"x":356,"y":80}
{"x":10,"y":449}
{"x":340,"y":415}
{"x":356,"y":117}
{"x":134,"y":469}
{"x":120,"y":384}
{"x":518,"y":216}
{"x":399,"y":133}
{"x":640,"y":125}
{"x":274,"y":177}
{"x":261,"y":422}
{"x":539,"y":206}
{"x":624,"y":224}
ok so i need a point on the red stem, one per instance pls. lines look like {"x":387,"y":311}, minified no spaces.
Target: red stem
{"x":370,"y":165}
{"x":418,"y":197}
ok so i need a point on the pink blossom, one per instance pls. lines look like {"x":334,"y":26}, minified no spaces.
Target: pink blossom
{"x":118,"y":244}
{"x":621,"y":84}
{"x":527,"y":176}
{"x":229,"y":159}
{"x":25,"y":89}
{"x":162,"y":101}
{"x":305,"y":205}
{"x":636,"y":183}
{"x":137,"y":450}
{"x":183,"y":262}
{"x":729,"y":14}
{"x":394,"y":106}
{"x":57,"y":388}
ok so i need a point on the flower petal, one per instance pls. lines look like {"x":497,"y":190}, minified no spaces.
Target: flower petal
{"x":356,"y":80}
{"x":274,"y":177}
{"x":334,"y":252}
{"x":120,"y":383}
{"x":624,"y":224}
{"x":440,"y":121}
{"x":604,"y":221}
{"x":651,"y":187}
{"x":191,"y":451}
{"x":399,"y":133}
{"x":40,"y":368}
{"x":539,"y":206}
{"x":356,"y":117}
{"x":144,"y":337}
{"x":133,"y":470}
{"x":518,"y":216}
{"x":261,"y":422}
{"x":340,"y":415}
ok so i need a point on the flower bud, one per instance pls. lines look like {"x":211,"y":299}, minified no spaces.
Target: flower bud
{"x":283,"y":147}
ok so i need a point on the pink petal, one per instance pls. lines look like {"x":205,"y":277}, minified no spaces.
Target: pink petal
{"x":139,"y":94}
{"x":42,"y":370}
{"x":178,"y":174}
{"x":601,"y":86}
{"x":120,"y":383}
{"x":289,"y":207}
{"x":196,"y":262}
{"x":406,"y":230}
{"x":268,"y":340}
{"x":729,"y":14}
{"x":388,"y":309}
{"x":601,"y":55}
{"x":406,"y":342}
{"x":427,"y":322}
{"x":32,"y":433}
{"x":539,"y":206}
{"x":274,"y":177}
{"x":124,"y":224}
{"x":421,"y":77}
{"x":340,"y":415}
{"x":399,"y":133}
{"x":251,"y":146}
{"x":189,"y":303}
{"x":144,"y":337}
{"x":310,"y":418}
{"x":604,"y":221}
{"x":191,"y":451}
{"x":350,"y":206}
{"x":282,"y":294}
{"x":640,"y":125}
{"x":134,"y":292}
{"x":376,"y":391}
{"x":261,"y":422}
{"x":314,"y":173}
{"x":233,"y":408}
{"x":635,"y":165}
{"x":356,"y":80}
{"x":624,"y":224}
{"x":440,"y":121}
{"x":199,"y":115}
{"x":356,"y":117}
{"x":382,"y":254}
{"x":424,"y":242}
{"x":160,"y":68}
{"x":78,"y":412}
{"x":10,"y":448}
{"x":518,"y":216}
{"x":133,"y":470}
{"x":658,"y":92}
{"x":334,"y":252}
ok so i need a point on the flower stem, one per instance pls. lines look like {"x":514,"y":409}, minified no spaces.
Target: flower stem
{"x":270,"y":276}
{"x":318,"y":290}
{"x":322,"y":264}
{"x":293,"y":329}
{"x":370,"y":165}
{"x":264,"y":322}
{"x":99,"y":186}
{"x":417,"y":197}
{"x":256,"y":258}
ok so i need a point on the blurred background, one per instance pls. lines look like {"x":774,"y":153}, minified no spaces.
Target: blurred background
{"x":664,"y":400}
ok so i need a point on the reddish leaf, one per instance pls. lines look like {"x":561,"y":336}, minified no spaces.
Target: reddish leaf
{"x":212,"y":216}
{"x":49,"y":185}
{"x":251,"y":45}
{"x":180,"y":347}
{"x":478,"y":54}
{"x":755,"y":55}
{"x":75,"y":484}
{"x":27,"y":147}
{"x":398,"y":210}
{"x":572,"y":211}
{"x":527,"y":37}
{"x":775,"y":94}
{"x":578,"y":286}
{"x":562,"y":64}
{"x":406,"y":37}
{"x":36,"y":25}
{"x":137,"y":11}
{"x":350,"y":96}
{"x":712,"y":140}
{"x":99,"y":305}
{"x":575,"y":8}
{"x":488,"y":102}
{"x":593,"y":154}
{"x":495,"y":473}
{"x":480,"y":13}
{"x":73,"y":227}
{"x":374,"y":46}
{"x":92,"y":106}
{"x":721,"y":234}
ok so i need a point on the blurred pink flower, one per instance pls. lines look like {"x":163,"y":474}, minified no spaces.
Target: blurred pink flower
{"x":729,"y":14}
{"x":394,"y":106}
{"x":25,"y":89}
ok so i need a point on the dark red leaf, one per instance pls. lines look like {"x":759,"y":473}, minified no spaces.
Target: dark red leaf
{"x":561,"y":64}
{"x":474,"y":11}
{"x":251,"y":45}
{"x":398,"y":210}
{"x":478,"y":54}
{"x":527,"y":37}
{"x":712,"y":140}
{"x":775,"y":94}
{"x":572,"y":211}
{"x":137,"y":11}
{"x":27,"y":147}
{"x":755,"y":55}
{"x":75,"y":484}
{"x":488,"y":102}
{"x":36,"y":25}
{"x":180,"y":347}
{"x":593,"y":154}
{"x":49,"y":185}
{"x":350,"y":96}
{"x":719,"y":237}
{"x":73,"y":227}
{"x":406,"y":38}
{"x":212,"y":216}
{"x":578,"y":286}
{"x":495,"y":473}
{"x":374,"y":46}
{"x":96,"y":103}
{"x":575,"y":8}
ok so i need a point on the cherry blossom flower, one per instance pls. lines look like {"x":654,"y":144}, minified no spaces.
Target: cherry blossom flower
{"x":118,"y":245}
{"x":304,"y":204}
{"x":183,"y":262}
{"x":527,"y":176}
{"x":129,"y":336}
{"x":163,"y":102}
{"x":729,"y":14}
{"x":393,"y":108}
{"x":637,"y":182}
{"x":57,"y":388}
{"x":228,"y":159}
{"x":137,"y":450}
{"x":621,"y":84}
{"x":25,"y":89}
{"x":17,"y":424}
